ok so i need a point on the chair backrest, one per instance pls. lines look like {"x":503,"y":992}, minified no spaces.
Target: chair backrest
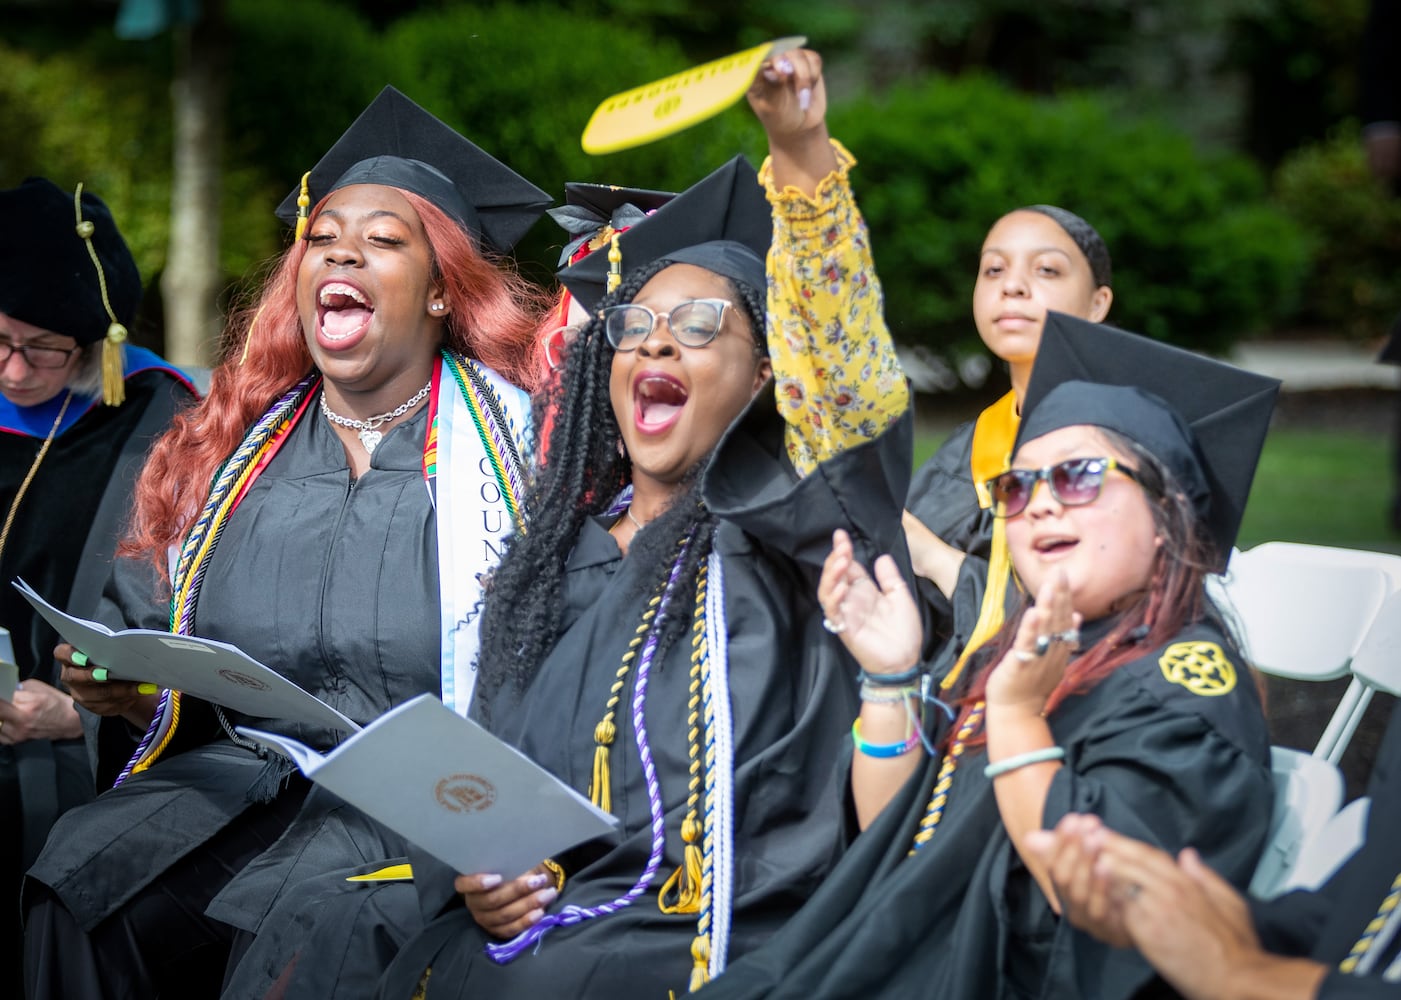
{"x":1302,"y":610}
{"x":1325,"y":853}
{"x":1308,"y":792}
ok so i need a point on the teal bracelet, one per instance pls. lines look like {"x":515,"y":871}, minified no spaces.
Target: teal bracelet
{"x":1022,"y":760}
{"x":883,"y":749}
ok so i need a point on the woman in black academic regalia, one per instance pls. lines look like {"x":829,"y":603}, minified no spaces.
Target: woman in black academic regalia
{"x":663,"y":583}
{"x":1116,"y":690}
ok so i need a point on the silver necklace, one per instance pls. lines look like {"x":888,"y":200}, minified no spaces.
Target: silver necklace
{"x":633,"y":518}
{"x":368,"y":429}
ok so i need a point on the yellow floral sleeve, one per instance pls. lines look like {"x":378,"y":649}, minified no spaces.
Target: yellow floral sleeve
{"x":836,"y":375}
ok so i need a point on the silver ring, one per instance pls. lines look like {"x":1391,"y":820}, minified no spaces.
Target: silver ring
{"x":1023,"y":655}
{"x":1043,"y":645}
{"x":1131,"y":891}
{"x":1071,"y":637}
{"x":836,"y":628}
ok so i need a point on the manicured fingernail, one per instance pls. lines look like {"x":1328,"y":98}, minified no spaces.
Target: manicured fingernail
{"x":147,"y":688}
{"x":772,"y":75}
{"x":805,"y":98}
{"x":785,"y":65}
{"x":489,"y":881}
{"x":99,"y":674}
{"x":538,"y":880}
{"x":546,"y":896}
{"x":533,"y":917}
{"x":80,"y":659}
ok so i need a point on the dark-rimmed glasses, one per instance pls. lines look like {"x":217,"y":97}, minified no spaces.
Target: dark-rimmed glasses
{"x":1074,"y":483}
{"x":692,"y":324}
{"x":35,"y":356}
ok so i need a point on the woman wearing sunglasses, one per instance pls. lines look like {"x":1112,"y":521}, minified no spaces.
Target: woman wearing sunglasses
{"x":1113,"y":688}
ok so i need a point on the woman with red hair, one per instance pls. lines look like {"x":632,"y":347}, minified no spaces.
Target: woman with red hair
{"x":295,"y":514}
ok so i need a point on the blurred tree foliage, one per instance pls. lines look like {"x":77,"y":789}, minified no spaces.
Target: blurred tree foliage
{"x":1354,"y":228}
{"x":1199,"y":257}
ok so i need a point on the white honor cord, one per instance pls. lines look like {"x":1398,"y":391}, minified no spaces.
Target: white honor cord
{"x":717,"y":638}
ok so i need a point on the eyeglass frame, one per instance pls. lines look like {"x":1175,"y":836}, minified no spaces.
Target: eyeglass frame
{"x":720,"y":304}
{"x":1046,"y":472}
{"x":8,"y":349}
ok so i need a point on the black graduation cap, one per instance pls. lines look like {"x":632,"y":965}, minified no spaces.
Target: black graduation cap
{"x":727,"y":205}
{"x":396,"y":143}
{"x":47,"y":276}
{"x":1204,"y":419}
{"x":589,"y":209}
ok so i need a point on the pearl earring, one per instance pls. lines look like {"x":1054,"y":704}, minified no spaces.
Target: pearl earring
{"x":436,"y":307}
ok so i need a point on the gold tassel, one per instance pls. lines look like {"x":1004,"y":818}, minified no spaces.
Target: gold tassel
{"x":113,"y":385}
{"x":615,"y":262}
{"x":700,"y":953}
{"x":686,"y":880}
{"x":600,"y":792}
{"x":304,"y":205}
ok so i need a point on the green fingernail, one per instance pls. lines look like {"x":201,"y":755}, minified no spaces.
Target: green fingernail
{"x":99,"y":673}
{"x":147,"y":688}
{"x":79,"y":659}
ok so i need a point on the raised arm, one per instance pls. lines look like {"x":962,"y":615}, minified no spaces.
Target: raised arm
{"x":838,"y":380}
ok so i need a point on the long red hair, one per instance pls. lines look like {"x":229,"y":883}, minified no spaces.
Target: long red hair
{"x":494,"y":318}
{"x":1176,"y":597}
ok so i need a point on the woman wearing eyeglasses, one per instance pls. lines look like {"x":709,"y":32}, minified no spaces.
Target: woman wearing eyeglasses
{"x":652,"y":636}
{"x":70,"y":443}
{"x":1113,"y":688}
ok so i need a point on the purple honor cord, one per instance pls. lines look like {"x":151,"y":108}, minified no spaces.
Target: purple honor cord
{"x":570,"y":915}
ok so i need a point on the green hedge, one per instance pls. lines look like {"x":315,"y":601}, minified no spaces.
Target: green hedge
{"x":1354,"y":229}
{"x":1200,"y":257}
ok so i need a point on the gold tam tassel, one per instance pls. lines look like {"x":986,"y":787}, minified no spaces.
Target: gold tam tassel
{"x":686,"y":880}
{"x":615,"y":262}
{"x":303,"y":205}
{"x":113,"y":385}
{"x":700,"y":954}
{"x":600,"y":792}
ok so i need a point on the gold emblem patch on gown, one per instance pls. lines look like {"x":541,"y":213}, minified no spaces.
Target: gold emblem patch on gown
{"x":1200,"y":667}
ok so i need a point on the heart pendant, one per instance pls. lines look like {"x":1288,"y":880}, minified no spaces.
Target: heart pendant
{"x":370,"y":439}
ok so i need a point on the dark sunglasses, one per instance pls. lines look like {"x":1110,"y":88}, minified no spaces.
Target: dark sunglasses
{"x":692,"y":324}
{"x":1074,"y":483}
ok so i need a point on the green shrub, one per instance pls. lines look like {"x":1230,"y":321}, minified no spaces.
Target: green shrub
{"x":1354,"y":228}
{"x":1199,"y":256}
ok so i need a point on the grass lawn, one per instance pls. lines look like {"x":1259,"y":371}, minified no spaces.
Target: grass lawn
{"x":1324,"y":487}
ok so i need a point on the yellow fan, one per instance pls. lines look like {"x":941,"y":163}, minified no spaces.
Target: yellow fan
{"x":662,"y":108}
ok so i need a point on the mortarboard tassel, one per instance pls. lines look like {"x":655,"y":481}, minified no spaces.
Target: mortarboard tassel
{"x":304,"y":205}
{"x":113,"y":386}
{"x":615,"y":263}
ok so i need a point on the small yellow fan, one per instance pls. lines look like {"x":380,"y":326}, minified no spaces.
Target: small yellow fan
{"x":662,"y":108}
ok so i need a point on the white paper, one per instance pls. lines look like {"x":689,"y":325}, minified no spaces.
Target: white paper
{"x":9,"y":672}
{"x":204,"y":668}
{"x":445,"y":783}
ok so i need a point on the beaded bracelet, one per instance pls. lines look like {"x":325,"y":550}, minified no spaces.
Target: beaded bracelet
{"x":883,"y":749}
{"x":1022,"y":760}
{"x":890,"y":680}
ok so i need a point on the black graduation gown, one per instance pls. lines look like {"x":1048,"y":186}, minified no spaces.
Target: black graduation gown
{"x":332,"y":583}
{"x":1324,"y":925}
{"x":964,"y":919}
{"x":61,"y":542}
{"x":943,"y":498}
{"x":793,"y":701}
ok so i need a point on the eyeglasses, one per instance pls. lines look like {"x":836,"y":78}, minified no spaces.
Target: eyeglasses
{"x":693,"y":324}
{"x":37,"y":357}
{"x":1074,"y":483}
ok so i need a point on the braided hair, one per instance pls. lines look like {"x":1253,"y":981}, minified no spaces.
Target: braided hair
{"x":585,"y":470}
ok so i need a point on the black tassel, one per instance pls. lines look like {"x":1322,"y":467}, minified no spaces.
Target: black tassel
{"x":271,"y":780}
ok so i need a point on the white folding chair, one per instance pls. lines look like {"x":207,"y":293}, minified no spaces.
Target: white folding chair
{"x":1326,"y":851}
{"x":1376,"y":666}
{"x":1302,"y":610}
{"x":1308,"y":791}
